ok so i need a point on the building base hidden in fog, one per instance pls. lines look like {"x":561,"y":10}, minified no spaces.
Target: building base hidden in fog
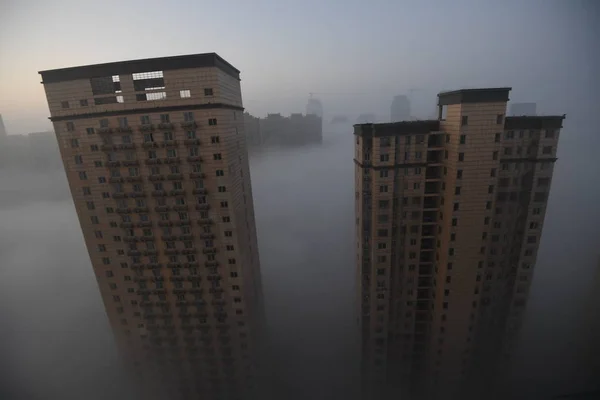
{"x":275,"y":129}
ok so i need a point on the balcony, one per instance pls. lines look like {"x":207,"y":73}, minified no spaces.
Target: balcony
{"x":134,"y":253}
{"x":435,"y":140}
{"x":150,"y":252}
{"x":180,"y":207}
{"x":169,"y":143}
{"x":123,"y":210}
{"x":431,"y":203}
{"x":207,"y":235}
{"x":184,"y":222}
{"x":426,"y":256}
{"x":426,"y":269}
{"x":189,"y":251}
{"x":143,"y":224}
{"x":211,"y":250}
{"x":171,"y":252}
{"x":191,"y":142}
{"x":189,"y":124}
{"x":165,"y":223}
{"x":175,"y":177}
{"x":116,"y":179}
{"x":435,"y":156}
{"x":146,"y":127}
{"x":126,"y":225}
{"x":134,"y":179}
{"x":429,"y":217}
{"x":123,"y":129}
{"x":119,"y":195}
{"x":155,"y":178}
{"x":432,"y":187}
{"x":131,"y":238}
{"x":194,"y":159}
{"x":177,"y":192}
{"x":210,"y":264}
{"x":104,"y":129}
{"x":149,"y":145}
{"x":112,"y":163}
{"x":141,"y":209}
{"x":194,"y":264}
{"x":200,"y":191}
{"x":159,"y":193}
{"x":205,"y":221}
{"x":136,"y":194}
{"x":108,"y":147}
{"x":425,"y":282}
{"x":196,"y":175}
{"x":169,"y":238}
{"x":171,"y":160}
{"x":130,"y":163}
{"x":162,"y":208}
{"x":153,"y":161}
{"x":433,"y":173}
{"x":427,"y":244}
{"x":146,"y":238}
{"x":165,"y":125}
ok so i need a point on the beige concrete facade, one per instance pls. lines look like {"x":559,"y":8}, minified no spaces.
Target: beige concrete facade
{"x":159,"y":175}
{"x":449,"y":214}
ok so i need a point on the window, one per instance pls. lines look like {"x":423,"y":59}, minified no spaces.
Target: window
{"x":212,"y":121}
{"x":497,"y":138}
{"x":217,"y":156}
{"x":188,"y":116}
{"x":461,"y":156}
{"x":165,"y":118}
{"x":500,"y":119}
{"x":382,"y":232}
{"x":123,"y":122}
{"x":507,"y":151}
{"x":456,"y":206}
{"x":208,"y":92}
{"x":64,"y":104}
{"x":185,"y":94}
{"x":457,"y":190}
{"x":454,"y":221}
{"x":383,"y":173}
{"x":224,"y":204}
{"x":222,"y":189}
{"x":464,"y":120}
{"x":549,"y":134}
{"x":384,"y":157}
{"x":491,"y":189}
{"x":383,"y":189}
{"x":416,"y":185}
{"x":228,"y":233}
{"x":463,"y":139}
{"x":383,"y":204}
{"x":214,"y":139}
{"x":486,"y":221}
{"x":495,"y":155}
{"x":547,"y":150}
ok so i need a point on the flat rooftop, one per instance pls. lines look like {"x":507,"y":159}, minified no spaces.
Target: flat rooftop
{"x":482,"y":95}
{"x":135,"y":66}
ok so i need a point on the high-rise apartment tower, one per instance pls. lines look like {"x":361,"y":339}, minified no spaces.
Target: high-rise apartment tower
{"x":155,"y":155}
{"x":449,"y":215}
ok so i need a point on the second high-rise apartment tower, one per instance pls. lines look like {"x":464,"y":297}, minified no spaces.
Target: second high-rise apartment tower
{"x":449,"y":215}
{"x":155,"y":155}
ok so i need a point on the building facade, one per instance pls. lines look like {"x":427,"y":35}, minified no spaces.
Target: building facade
{"x":449,"y":214}
{"x":155,"y":155}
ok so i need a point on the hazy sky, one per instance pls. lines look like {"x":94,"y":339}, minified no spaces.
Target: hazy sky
{"x":286,"y":49}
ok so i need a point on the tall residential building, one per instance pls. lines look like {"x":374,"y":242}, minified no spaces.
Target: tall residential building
{"x":314,"y":106}
{"x":155,"y":155}
{"x":517,"y":109}
{"x":449,"y":215}
{"x":400,"y":109}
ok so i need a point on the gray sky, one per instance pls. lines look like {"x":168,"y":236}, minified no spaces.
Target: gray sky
{"x":285,"y":49}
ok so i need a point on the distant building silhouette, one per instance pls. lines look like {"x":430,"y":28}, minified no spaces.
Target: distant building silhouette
{"x":3,"y":132}
{"x":517,"y":109}
{"x":297,"y":129}
{"x":449,"y":218}
{"x":314,"y":106}
{"x":400,"y":109}
{"x":366,"y":118}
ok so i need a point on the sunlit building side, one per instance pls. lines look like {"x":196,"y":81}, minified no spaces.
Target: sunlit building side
{"x":155,"y":155}
{"x":449,"y":216}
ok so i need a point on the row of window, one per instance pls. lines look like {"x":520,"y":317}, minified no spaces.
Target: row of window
{"x":184,"y":93}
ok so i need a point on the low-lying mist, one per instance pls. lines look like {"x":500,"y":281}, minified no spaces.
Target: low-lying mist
{"x":55,"y":339}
